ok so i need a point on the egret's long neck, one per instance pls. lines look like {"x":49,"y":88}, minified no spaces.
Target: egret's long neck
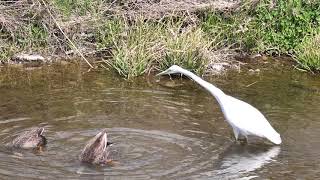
{"x":216,"y":92}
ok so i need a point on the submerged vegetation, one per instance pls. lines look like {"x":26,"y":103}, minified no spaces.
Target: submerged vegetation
{"x":136,"y":37}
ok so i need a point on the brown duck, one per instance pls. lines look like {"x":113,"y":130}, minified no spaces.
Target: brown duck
{"x":97,"y":150}
{"x":30,"y":139}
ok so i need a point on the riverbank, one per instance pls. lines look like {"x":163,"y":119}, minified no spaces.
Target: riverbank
{"x":135,"y":38}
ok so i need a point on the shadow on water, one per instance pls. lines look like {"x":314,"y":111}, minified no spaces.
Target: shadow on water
{"x":160,"y":128}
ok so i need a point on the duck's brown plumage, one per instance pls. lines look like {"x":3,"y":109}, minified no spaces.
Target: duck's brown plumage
{"x":32,"y":138}
{"x":97,"y":149}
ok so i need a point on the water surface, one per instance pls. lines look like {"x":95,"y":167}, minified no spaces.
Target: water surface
{"x":160,"y":128}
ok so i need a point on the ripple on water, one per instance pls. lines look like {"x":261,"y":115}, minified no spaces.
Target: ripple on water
{"x":155,"y":154}
{"x":138,"y":154}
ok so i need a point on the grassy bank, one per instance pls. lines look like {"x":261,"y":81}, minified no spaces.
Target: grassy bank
{"x":135,"y":38}
{"x":137,"y":46}
{"x":273,"y":28}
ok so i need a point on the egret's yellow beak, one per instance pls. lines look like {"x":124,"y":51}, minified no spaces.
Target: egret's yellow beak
{"x":163,"y":73}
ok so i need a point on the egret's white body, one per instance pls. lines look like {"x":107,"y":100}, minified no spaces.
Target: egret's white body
{"x":244,"y":119}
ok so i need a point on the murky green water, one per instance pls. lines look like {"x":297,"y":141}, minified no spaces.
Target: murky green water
{"x":167,"y":130}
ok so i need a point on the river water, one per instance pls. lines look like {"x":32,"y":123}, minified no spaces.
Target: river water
{"x":161,"y":128}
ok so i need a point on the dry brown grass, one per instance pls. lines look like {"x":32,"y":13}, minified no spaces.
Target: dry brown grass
{"x":40,"y":27}
{"x":157,"y":9}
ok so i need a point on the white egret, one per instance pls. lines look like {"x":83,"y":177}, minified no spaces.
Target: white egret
{"x":244,"y":119}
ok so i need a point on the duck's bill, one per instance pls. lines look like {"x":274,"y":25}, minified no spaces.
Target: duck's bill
{"x":163,"y":73}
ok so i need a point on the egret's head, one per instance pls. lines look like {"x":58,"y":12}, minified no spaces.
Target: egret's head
{"x":174,"y":69}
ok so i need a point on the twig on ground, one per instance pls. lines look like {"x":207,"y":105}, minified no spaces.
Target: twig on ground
{"x":74,"y":46}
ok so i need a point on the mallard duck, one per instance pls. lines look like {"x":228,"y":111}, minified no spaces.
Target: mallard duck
{"x":97,"y":150}
{"x":32,"y":138}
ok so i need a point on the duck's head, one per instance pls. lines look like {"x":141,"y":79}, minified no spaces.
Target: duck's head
{"x":174,"y":69}
{"x":96,"y":150}
{"x":32,"y":138}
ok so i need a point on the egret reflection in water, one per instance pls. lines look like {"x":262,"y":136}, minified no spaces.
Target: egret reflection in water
{"x":238,"y":161}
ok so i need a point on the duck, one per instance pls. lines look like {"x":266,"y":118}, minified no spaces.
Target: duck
{"x":30,"y":139}
{"x":97,"y":150}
